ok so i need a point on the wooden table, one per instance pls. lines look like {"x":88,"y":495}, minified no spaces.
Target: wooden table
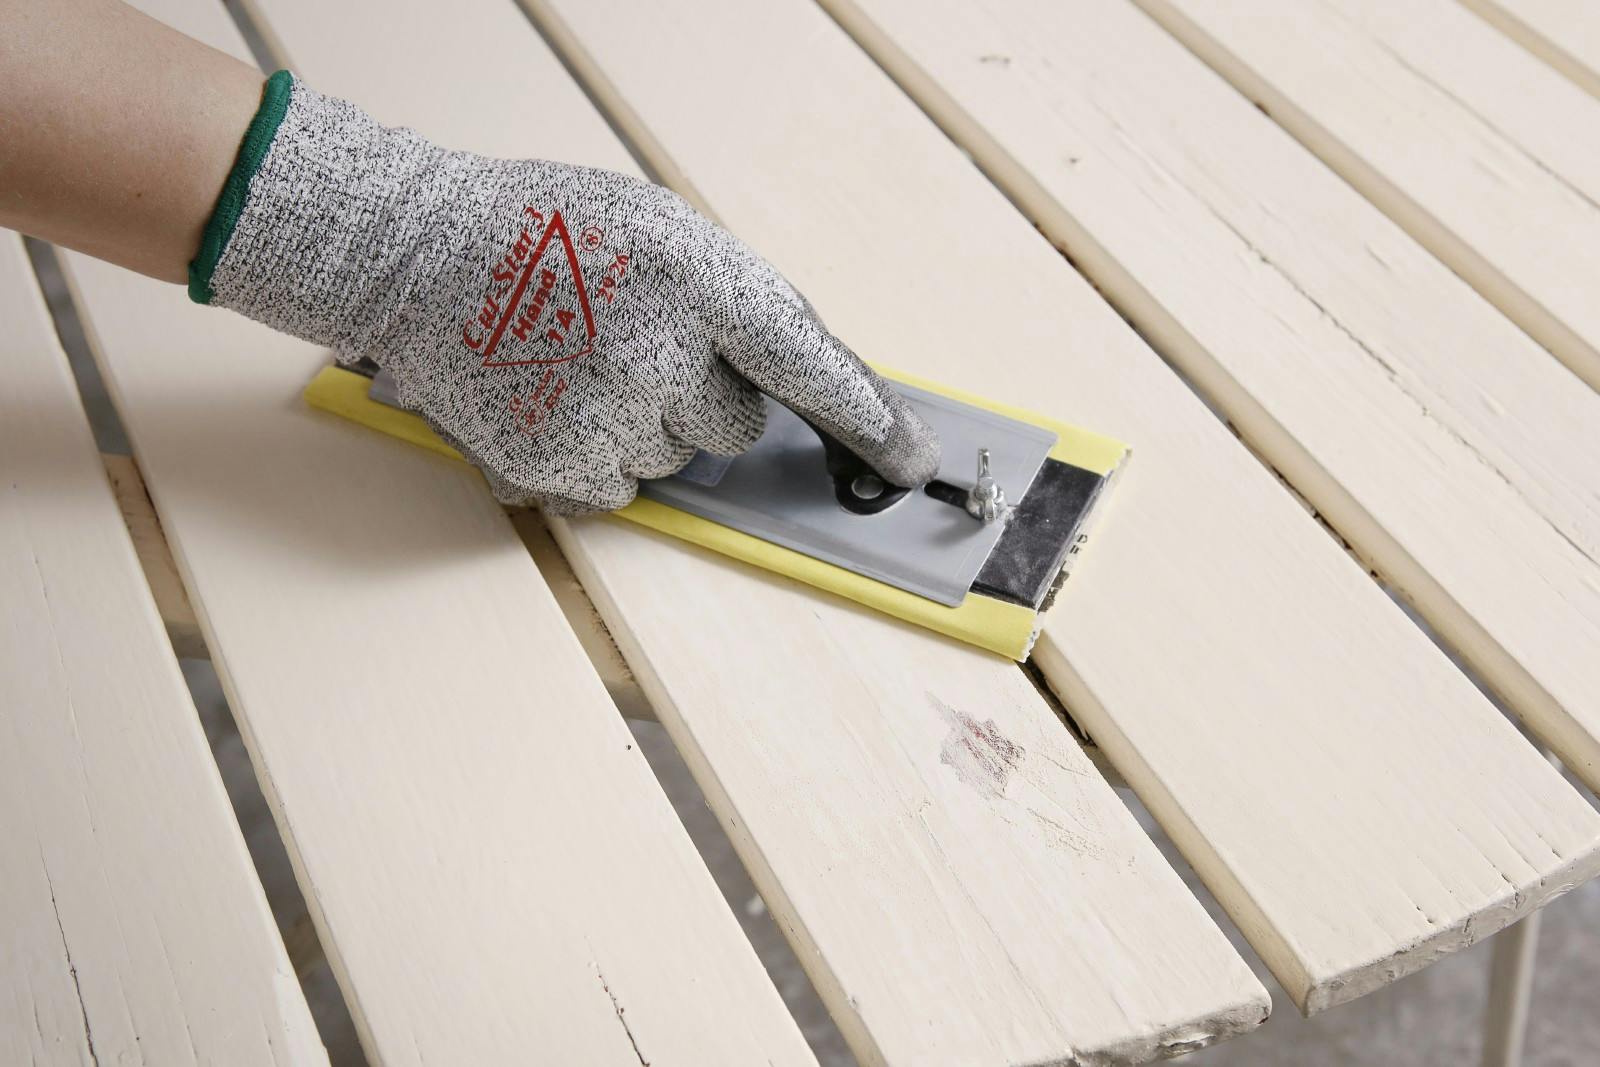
{"x":1329,"y":266}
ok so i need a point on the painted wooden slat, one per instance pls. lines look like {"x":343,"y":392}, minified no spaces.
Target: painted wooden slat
{"x":1421,"y":423}
{"x":1357,"y":805}
{"x":1487,"y":156}
{"x":492,"y":867}
{"x":1563,"y":33}
{"x":961,"y":885}
{"x":134,"y":930}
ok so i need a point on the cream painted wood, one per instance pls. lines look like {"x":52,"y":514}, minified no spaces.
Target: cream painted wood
{"x":489,"y":860}
{"x":961,"y":885}
{"x":492,"y":867}
{"x":150,"y":545}
{"x":1421,"y":423}
{"x":1353,"y":801}
{"x":1487,"y":156}
{"x":134,"y":930}
{"x":1563,"y":33}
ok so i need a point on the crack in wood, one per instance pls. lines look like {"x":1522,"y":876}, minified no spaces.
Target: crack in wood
{"x":617,"y":1007}
{"x":72,"y":968}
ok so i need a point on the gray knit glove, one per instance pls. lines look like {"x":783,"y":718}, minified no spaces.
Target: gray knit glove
{"x":569,"y":330}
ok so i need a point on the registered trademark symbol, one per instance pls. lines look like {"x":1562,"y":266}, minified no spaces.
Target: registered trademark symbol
{"x":591,"y":237}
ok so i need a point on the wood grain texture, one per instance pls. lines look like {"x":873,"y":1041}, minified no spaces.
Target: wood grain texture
{"x":134,"y":930}
{"x":1357,"y":805}
{"x":1487,"y":156}
{"x":150,"y":545}
{"x":1563,"y":33}
{"x":492,"y":867}
{"x":961,"y":885}
{"x":1421,"y":423}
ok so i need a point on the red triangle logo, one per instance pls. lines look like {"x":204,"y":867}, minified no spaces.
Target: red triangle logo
{"x":537,"y":309}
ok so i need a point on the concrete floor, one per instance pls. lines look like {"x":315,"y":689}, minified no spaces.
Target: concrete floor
{"x":1432,"y":1018}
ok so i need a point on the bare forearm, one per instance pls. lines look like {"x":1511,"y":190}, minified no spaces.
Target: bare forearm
{"x":116,"y":132}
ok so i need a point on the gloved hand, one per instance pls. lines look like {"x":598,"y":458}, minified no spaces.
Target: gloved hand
{"x":569,"y":330}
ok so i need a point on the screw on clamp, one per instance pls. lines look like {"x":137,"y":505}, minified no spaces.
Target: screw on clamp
{"x":987,"y":501}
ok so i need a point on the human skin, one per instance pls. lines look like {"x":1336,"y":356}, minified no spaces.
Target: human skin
{"x":116,"y":131}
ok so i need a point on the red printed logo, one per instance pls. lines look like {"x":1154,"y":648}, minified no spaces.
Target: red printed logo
{"x":529,"y":412}
{"x":536,"y":309}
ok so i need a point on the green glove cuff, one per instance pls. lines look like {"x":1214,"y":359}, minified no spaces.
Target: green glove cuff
{"x":252,"y":150}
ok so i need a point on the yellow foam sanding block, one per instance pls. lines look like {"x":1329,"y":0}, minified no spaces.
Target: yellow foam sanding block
{"x":1000,"y":611}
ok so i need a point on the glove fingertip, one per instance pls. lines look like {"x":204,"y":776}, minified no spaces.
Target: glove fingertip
{"x":909,"y":453}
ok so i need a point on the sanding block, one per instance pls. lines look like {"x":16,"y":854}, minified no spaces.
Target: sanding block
{"x":979,"y":554}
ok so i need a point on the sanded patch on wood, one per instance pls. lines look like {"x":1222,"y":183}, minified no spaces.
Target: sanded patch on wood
{"x":1424,"y":426}
{"x":1272,"y":706}
{"x":943,"y":922}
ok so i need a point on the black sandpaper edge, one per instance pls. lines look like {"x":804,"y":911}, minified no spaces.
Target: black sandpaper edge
{"x":1046,"y":530}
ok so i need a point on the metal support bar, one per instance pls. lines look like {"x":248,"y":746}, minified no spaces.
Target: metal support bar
{"x":1510,"y":989}
{"x":172,"y":600}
